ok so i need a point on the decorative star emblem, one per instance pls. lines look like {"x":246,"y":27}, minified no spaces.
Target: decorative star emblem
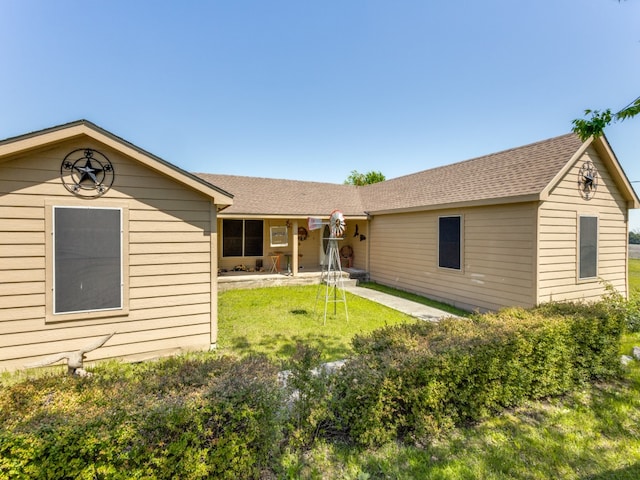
{"x":88,"y":174}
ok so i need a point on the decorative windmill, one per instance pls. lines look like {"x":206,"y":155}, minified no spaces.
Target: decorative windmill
{"x":332,"y":277}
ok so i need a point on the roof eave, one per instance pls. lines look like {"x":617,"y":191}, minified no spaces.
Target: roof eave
{"x":284,"y":216}
{"x":601,"y":144}
{"x":68,"y":131}
{"x":471,"y":203}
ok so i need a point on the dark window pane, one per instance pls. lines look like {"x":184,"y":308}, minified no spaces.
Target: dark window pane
{"x":449,"y":242}
{"x":232,"y":238}
{"x":253,"y":240}
{"x":588,"y":247}
{"x":87,"y":259}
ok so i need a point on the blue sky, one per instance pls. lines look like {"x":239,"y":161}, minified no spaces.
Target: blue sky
{"x":313,"y":90}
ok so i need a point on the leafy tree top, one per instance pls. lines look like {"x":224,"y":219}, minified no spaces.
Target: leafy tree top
{"x":359,"y":179}
{"x":595,"y":125}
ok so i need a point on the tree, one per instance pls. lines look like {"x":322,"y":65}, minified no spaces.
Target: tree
{"x":634,"y":237}
{"x":357,"y":178}
{"x":595,"y":125}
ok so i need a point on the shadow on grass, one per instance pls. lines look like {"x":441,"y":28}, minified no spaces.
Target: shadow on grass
{"x":283,"y":347}
{"x":629,"y":473}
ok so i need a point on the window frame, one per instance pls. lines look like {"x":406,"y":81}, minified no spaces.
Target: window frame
{"x":243,"y":252}
{"x":51,"y":315}
{"x":579,"y":248}
{"x":460,"y":244}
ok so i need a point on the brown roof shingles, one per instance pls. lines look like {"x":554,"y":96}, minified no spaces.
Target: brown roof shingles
{"x":518,"y":172}
{"x":270,"y":196}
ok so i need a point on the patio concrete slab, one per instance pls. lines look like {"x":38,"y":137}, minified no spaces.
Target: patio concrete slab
{"x":418,"y":310}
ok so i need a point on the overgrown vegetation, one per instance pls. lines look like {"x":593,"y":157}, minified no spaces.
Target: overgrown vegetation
{"x":516,"y":394}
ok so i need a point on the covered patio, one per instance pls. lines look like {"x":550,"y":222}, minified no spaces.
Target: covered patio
{"x":235,"y":280}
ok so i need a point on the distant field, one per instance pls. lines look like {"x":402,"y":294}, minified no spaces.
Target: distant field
{"x":634,"y":274}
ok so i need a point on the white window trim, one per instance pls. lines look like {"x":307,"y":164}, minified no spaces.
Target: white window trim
{"x":51,"y":315}
{"x":595,"y":278}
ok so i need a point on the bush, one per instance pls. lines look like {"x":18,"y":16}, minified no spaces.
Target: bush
{"x":223,"y":421}
{"x":414,"y":381}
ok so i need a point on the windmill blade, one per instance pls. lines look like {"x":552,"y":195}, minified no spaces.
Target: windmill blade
{"x":337,"y":224}
{"x":315,"y":223}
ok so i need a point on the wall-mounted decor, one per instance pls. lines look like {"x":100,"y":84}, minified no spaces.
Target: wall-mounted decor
{"x":588,"y":180}
{"x":279,"y":237}
{"x":86,"y":173}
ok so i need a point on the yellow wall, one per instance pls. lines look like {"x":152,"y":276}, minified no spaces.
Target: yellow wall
{"x":558,"y":237}
{"x":172,"y":302}
{"x":498,"y":259}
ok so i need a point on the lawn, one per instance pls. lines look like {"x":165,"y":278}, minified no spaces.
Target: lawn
{"x":273,"y":320}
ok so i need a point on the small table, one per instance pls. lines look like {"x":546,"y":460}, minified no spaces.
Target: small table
{"x":275,"y":263}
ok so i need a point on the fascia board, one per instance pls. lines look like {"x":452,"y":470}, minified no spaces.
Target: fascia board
{"x":446,"y":206}
{"x":25,"y":143}
{"x":544,"y":195}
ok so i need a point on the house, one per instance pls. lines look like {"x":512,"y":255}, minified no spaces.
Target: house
{"x":546,"y":221}
{"x":98,"y":236}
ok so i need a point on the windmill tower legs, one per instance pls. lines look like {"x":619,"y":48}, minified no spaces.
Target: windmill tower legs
{"x":332,"y":281}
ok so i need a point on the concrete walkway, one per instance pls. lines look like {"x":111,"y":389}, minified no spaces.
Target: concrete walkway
{"x":414,"y":309}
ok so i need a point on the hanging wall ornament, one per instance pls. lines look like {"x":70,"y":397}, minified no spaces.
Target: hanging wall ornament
{"x":87,"y":173}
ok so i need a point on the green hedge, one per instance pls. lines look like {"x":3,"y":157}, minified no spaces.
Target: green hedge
{"x":414,"y":381}
{"x":212,"y":418}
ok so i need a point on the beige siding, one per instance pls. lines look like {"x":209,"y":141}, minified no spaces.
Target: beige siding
{"x":170,"y":262}
{"x":498,"y":256}
{"x":558,"y":237}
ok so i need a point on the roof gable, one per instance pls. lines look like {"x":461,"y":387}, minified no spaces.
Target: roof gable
{"x":51,"y":136}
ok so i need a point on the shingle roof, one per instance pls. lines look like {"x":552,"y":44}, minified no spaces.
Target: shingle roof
{"x":504,"y":176}
{"x":270,"y":196}
{"x":518,"y":172}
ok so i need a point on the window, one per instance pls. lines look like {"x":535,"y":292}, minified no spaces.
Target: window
{"x":279,"y":237}
{"x":449,"y":242}
{"x":588,"y":248}
{"x":242,"y":238}
{"x":87,"y":259}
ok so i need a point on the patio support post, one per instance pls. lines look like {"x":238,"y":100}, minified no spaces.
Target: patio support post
{"x":294,"y":253}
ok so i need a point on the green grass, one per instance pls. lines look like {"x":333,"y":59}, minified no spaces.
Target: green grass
{"x":591,"y":434}
{"x":634,"y":274}
{"x":273,"y":320}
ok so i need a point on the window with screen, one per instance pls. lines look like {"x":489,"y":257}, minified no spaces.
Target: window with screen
{"x":449,"y":242}
{"x":242,"y":238}
{"x":87,"y":259}
{"x":588,"y":248}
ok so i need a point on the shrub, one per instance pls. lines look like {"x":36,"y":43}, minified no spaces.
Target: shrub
{"x":222,"y":421}
{"x":308,"y":389}
{"x":414,"y":381}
